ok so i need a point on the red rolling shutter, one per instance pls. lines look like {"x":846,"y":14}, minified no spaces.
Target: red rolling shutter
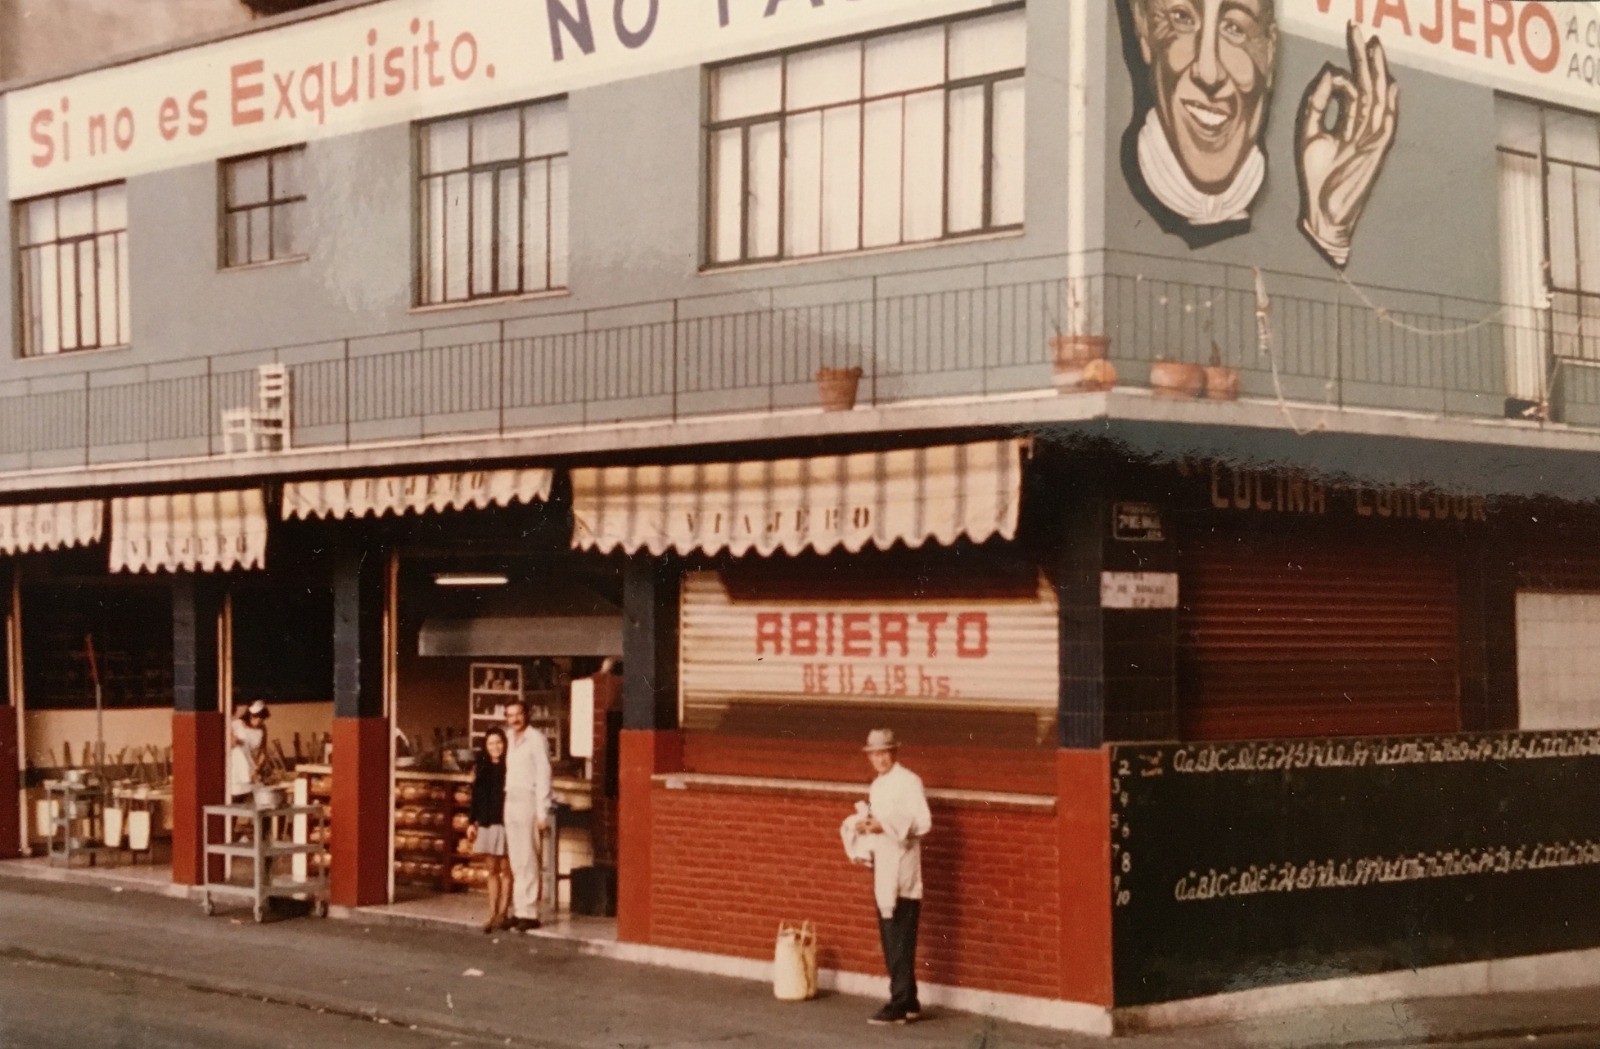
{"x":1316,"y":638}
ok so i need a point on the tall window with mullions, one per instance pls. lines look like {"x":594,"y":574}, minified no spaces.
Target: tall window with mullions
{"x":492,"y":196}
{"x":1549,"y":160}
{"x":899,"y":138}
{"x":72,"y":253}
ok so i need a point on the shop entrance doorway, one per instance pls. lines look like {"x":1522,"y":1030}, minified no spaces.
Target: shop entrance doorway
{"x":474,"y":633}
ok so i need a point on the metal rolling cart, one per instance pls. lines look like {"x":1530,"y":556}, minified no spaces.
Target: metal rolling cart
{"x":264,"y":847}
{"x":77,"y":814}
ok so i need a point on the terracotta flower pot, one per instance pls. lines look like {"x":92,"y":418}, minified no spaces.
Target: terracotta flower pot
{"x":1075,"y":359}
{"x":836,"y":388}
{"x":1176,"y":379}
{"x":1222,"y":383}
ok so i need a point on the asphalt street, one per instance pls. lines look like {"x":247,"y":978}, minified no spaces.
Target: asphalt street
{"x":45,"y":1005}
{"x":88,"y":968}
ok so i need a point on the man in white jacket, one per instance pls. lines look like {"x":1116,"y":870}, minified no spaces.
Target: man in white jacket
{"x":527,"y":814}
{"x":898,"y":810}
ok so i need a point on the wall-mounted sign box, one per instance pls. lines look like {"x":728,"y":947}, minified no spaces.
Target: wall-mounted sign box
{"x":1136,"y":523}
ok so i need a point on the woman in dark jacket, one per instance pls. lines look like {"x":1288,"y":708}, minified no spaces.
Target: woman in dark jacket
{"x":487,"y":832}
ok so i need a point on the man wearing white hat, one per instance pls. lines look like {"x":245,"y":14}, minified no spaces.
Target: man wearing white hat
{"x":898,"y":810}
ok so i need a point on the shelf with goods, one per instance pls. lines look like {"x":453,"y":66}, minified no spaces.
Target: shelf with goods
{"x":429,"y":818}
{"x":542,"y":686}
{"x":490,"y":686}
{"x":432,"y":811}
{"x":315,"y":787}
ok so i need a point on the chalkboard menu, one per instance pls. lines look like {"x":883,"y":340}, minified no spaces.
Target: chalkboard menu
{"x":1243,"y":865}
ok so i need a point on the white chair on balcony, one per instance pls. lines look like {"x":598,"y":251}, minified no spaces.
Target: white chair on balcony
{"x":266,"y":427}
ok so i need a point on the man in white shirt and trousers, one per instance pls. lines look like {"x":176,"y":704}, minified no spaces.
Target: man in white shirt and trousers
{"x":889,"y":836}
{"x":527,"y":814}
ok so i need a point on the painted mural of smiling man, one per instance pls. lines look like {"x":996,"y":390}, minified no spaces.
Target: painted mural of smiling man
{"x":1203,"y":75}
{"x":1210,"y":70}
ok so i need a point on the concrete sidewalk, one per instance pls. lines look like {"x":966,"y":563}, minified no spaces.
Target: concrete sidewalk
{"x":542,"y":992}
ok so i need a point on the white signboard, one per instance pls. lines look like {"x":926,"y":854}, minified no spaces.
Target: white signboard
{"x":1139,"y":590}
{"x":999,"y":652}
{"x":1541,"y":50}
{"x":580,"y":736}
{"x":388,"y":63}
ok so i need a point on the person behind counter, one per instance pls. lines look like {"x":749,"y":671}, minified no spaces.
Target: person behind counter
{"x":487,"y":831}
{"x":248,"y":753}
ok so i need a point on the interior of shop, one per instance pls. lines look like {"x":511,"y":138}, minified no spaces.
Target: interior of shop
{"x":96,"y":657}
{"x":472,"y":632}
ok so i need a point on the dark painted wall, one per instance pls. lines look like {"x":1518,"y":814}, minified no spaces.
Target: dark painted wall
{"x":1246,"y":865}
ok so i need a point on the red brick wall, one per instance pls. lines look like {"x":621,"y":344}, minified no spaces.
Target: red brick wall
{"x":729,"y":864}
{"x":969,"y":766}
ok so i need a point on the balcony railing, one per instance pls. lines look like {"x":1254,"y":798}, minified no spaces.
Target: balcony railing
{"x":676,"y":359}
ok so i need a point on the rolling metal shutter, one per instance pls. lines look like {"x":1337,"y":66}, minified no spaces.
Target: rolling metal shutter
{"x":1316,"y":638}
{"x":955,"y":653}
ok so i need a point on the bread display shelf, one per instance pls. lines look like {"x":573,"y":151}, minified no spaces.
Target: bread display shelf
{"x":432,"y":811}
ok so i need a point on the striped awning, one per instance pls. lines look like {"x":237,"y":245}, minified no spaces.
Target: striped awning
{"x":189,"y":532}
{"x":414,"y":494}
{"x":50,"y":526}
{"x":850,"y":502}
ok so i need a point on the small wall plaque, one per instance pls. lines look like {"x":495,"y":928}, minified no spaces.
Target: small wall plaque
{"x":1139,"y":590}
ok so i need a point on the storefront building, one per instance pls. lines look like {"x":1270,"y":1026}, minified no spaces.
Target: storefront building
{"x":726,"y":384}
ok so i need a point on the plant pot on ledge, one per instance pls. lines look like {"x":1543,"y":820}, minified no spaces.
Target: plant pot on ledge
{"x":1080,"y":363}
{"x":1222,"y":383}
{"x":836,"y":388}
{"x":1176,"y":379}
{"x":1222,"y":380}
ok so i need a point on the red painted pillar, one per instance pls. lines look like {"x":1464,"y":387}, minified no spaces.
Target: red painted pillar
{"x":363,"y":778}
{"x":1083,"y":807}
{"x":361,"y":812}
{"x":10,"y":787}
{"x":199,"y":727}
{"x":199,"y":778}
{"x":651,"y":742}
{"x":645,"y":754}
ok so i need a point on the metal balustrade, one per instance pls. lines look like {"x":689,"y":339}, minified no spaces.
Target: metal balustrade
{"x":1415,"y":352}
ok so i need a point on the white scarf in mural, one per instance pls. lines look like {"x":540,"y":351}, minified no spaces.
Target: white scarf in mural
{"x":1165,"y":177}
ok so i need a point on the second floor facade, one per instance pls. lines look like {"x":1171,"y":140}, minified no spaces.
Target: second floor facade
{"x":528,"y":215}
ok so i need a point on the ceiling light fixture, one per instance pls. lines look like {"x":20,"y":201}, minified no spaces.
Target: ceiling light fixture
{"x":470,"y":579}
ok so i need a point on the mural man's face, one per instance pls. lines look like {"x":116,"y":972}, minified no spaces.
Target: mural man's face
{"x":1211,"y":65}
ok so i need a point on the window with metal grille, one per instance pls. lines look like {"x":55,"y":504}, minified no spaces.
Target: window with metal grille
{"x":899,"y":138}
{"x":263,"y":207}
{"x":492,"y":196}
{"x":72,"y":255}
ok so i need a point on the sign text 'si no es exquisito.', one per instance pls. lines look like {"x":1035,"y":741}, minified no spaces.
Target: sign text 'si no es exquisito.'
{"x":389,"y":63}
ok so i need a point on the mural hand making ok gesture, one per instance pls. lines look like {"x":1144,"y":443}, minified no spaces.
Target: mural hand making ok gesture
{"x":1340,"y":166}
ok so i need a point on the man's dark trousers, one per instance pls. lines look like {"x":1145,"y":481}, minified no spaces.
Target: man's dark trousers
{"x":899,"y":935}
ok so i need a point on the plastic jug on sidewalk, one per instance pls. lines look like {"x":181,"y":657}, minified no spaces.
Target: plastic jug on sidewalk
{"x":794,"y":963}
